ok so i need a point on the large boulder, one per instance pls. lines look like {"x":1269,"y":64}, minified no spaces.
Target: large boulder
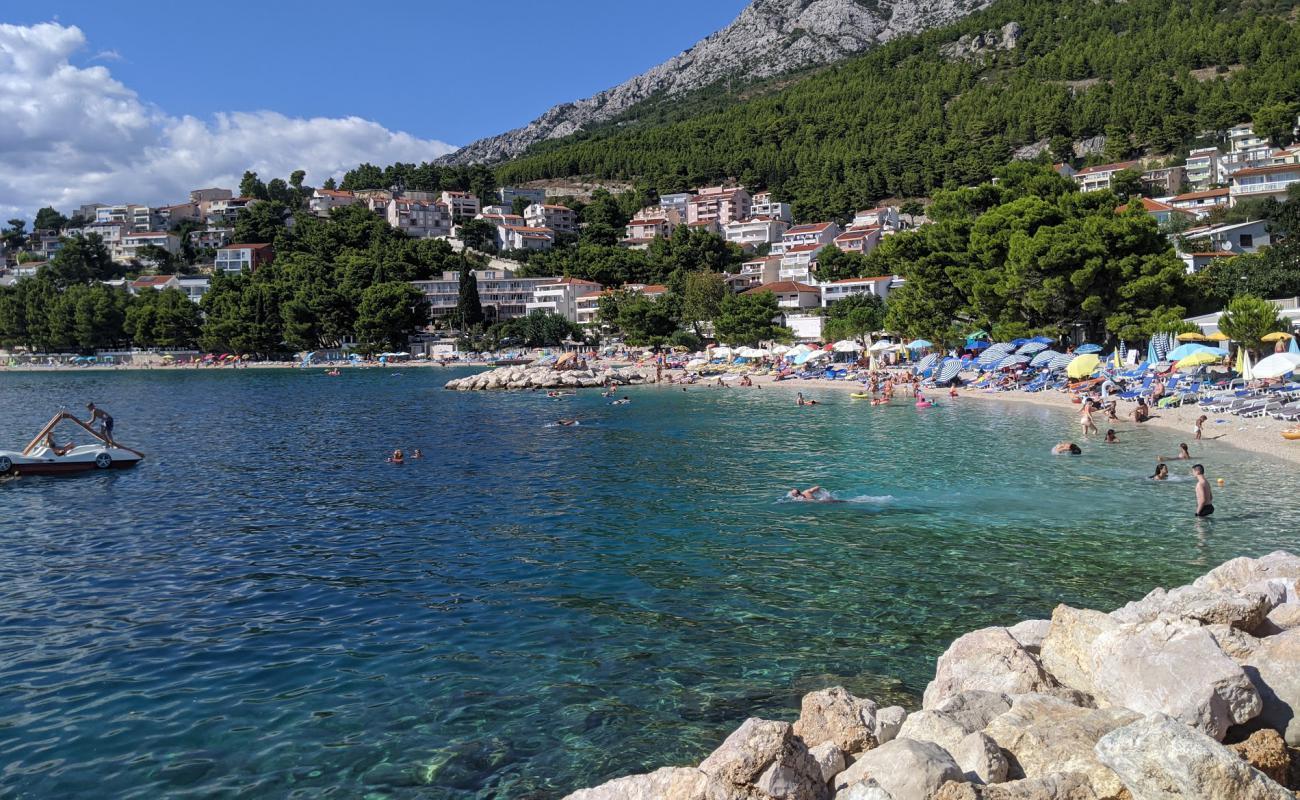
{"x":980,"y":758}
{"x":669,"y":783}
{"x":829,"y":758}
{"x":953,"y":719}
{"x":933,"y":726}
{"x":1061,"y":786}
{"x":1031,"y":633}
{"x":1240,"y":609}
{"x":1067,"y":649}
{"x":989,"y":660}
{"x":767,"y":756}
{"x":1266,"y":751}
{"x":907,"y":769}
{"x":888,"y":722}
{"x":863,"y":790}
{"x":1245,"y":573}
{"x":1160,"y":758}
{"x":1043,"y":735}
{"x":1274,"y":669}
{"x":834,"y":715}
{"x":1176,"y":668}
{"x":1282,"y":618}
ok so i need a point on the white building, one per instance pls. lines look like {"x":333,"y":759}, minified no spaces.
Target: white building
{"x":1245,"y":150}
{"x":1204,"y":168}
{"x":719,"y":204}
{"x":755,"y":273}
{"x":835,"y":291}
{"x":522,"y":237}
{"x":1254,"y":183}
{"x":816,"y":233}
{"x":588,"y":306}
{"x":560,"y":219}
{"x":132,"y":243}
{"x":501,"y":293}
{"x":508,"y":194}
{"x":561,"y":297}
{"x":676,"y":202}
{"x":463,"y":205}
{"x":1098,"y":178}
{"x":418,"y":218}
{"x":861,"y":240}
{"x":750,"y":233}
{"x":765,"y":206}
{"x":1202,"y":202}
{"x":1222,"y":241}
{"x":240,"y":257}
{"x":323,"y":200}
{"x":791,"y":295}
{"x":883,"y":217}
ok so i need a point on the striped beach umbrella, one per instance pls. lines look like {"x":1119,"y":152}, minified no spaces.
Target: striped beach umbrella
{"x":948,"y":370}
{"x":1043,"y":358}
{"x":1031,"y":347}
{"x":1013,"y":361}
{"x":1061,"y":361}
{"x":926,"y":363}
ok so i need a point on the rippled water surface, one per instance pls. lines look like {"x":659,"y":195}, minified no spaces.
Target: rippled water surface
{"x":265,"y":608}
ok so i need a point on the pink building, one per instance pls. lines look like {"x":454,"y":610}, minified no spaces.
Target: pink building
{"x":719,"y":205}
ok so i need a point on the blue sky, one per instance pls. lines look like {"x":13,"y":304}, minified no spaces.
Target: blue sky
{"x":440,"y":70}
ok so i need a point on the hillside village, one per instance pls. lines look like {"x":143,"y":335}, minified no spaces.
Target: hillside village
{"x":785,"y":254}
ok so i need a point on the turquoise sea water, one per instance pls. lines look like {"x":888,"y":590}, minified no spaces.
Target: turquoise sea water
{"x":265,"y":608}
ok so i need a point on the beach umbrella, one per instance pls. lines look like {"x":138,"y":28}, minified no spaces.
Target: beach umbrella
{"x":1082,"y":366}
{"x":781,"y":349}
{"x":1217,"y":336}
{"x":1042,"y":340}
{"x":720,"y":352}
{"x":695,"y":363}
{"x":976,"y":346}
{"x":1276,"y":336}
{"x":1031,"y":347}
{"x":981,"y":334}
{"x":1244,"y":368}
{"x":816,"y":355}
{"x":1277,"y":365}
{"x":926,"y":363}
{"x":1013,"y":361}
{"x":846,"y":346}
{"x":995,"y":353}
{"x":1191,"y":336}
{"x":1184,"y":350}
{"x":1087,"y":349}
{"x":1018,"y":342}
{"x":919,"y":344}
{"x":1044,"y":358}
{"x":1198,"y":360}
{"x":750,"y":352}
{"x":1293,"y":347}
{"x":883,"y":347}
{"x":990,"y":365}
{"x":948,"y":370}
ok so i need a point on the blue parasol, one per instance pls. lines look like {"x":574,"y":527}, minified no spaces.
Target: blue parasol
{"x":926,"y":363}
{"x":1045,"y":357}
{"x":1013,"y":361}
{"x":948,"y":370}
{"x":1085,"y":349}
{"x":919,"y":344}
{"x":1031,"y":347}
{"x":1061,"y":361}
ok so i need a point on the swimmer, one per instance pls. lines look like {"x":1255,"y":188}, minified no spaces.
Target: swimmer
{"x":416,"y":453}
{"x":1183,"y":454}
{"x":1161,"y":473}
{"x":953,"y":392}
{"x":566,"y":423}
{"x":622,"y":402}
{"x":1065,"y":448}
{"x":396,"y":457}
{"x":1111,"y":438}
{"x":815,"y":494}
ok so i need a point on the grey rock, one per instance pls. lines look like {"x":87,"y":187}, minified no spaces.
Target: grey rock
{"x":975,"y":709}
{"x":888,"y":722}
{"x":1175,"y":668}
{"x":980,"y":759}
{"x":1238,"y":644}
{"x":1043,"y":735}
{"x":835,"y":715}
{"x":1244,"y":610}
{"x":933,"y":726}
{"x":1241,"y":573}
{"x":1092,"y":146}
{"x":1067,"y":649}
{"x":1284,"y":617}
{"x":830,"y":760}
{"x":989,"y":660}
{"x":864,"y":790}
{"x":907,"y":769}
{"x":1031,"y":632}
{"x":1059,"y":786}
{"x":669,"y":783}
{"x":1160,"y":758}
{"x":769,"y":757}
{"x":769,"y":37}
{"x":979,"y":44}
{"x":1274,"y":669}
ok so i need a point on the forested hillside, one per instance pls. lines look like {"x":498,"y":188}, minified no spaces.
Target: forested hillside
{"x":905,"y":118}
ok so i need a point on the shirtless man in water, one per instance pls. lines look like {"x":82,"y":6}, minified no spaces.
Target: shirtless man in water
{"x":1204,"y":498}
{"x":814,"y":493}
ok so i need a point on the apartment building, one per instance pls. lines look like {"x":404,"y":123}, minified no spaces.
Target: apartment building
{"x":322,"y":201}
{"x":463,"y":205}
{"x":240,"y":257}
{"x":419,"y":219}
{"x":1098,"y":178}
{"x":133,"y":242}
{"x":1202,"y":202}
{"x":719,"y":205}
{"x":1163,"y":180}
{"x":822,"y":233}
{"x":507,"y":195}
{"x":755,"y":231}
{"x":755,"y":273}
{"x":791,"y":295}
{"x":765,"y":206}
{"x":1256,"y":183}
{"x":835,"y":291}
{"x":1245,"y":150}
{"x":502,"y":294}
{"x":560,"y":219}
{"x":676,"y":202}
{"x":561,"y":297}
{"x":212,"y":237}
{"x":859,"y":240}
{"x":226,"y":209}
{"x":1204,"y":168}
{"x":523,"y":237}
{"x":884,"y":217}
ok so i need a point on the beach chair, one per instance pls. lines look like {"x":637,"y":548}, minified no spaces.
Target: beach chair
{"x":1141,"y":391}
{"x":1289,"y":412}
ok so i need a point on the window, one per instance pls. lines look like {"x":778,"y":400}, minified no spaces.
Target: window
{"x":1246,"y":240}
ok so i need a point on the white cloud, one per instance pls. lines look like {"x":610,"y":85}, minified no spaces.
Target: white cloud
{"x":71,"y":135}
{"x":107,"y":55}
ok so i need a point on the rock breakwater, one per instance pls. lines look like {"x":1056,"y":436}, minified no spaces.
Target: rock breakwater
{"x":1189,"y":693}
{"x":547,"y":378}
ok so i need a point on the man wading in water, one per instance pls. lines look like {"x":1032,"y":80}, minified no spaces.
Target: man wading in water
{"x":1204,"y":499}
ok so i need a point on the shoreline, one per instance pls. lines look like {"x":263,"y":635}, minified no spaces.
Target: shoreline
{"x":1260,"y":435}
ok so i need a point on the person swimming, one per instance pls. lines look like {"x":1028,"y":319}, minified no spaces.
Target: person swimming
{"x":396,"y":457}
{"x":1161,"y":473}
{"x":416,"y":453}
{"x":1111,"y":438}
{"x":622,"y":402}
{"x":1067,"y":448}
{"x":1183,"y":454}
{"x":813,"y":494}
{"x":566,"y":423}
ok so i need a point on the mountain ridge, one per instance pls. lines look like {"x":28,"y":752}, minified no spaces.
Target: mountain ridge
{"x":767,"y":38}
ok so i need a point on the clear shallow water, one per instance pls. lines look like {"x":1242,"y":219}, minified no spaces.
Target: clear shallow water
{"x":266,"y":609}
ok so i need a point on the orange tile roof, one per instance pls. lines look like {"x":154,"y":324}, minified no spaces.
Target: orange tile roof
{"x":1116,"y":167}
{"x":785,"y":287}
{"x":1269,"y":170}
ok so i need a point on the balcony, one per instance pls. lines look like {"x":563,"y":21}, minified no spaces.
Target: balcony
{"x":1264,"y":188}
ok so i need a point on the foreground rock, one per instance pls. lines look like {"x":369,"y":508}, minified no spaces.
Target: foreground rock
{"x":906,"y":768}
{"x":547,"y":378}
{"x":768,"y":758}
{"x":986,"y":660}
{"x":1243,"y":574}
{"x":1044,"y":735}
{"x":835,"y":716}
{"x":1160,"y":758}
{"x":1266,"y":752}
{"x":1274,"y":669}
{"x":1060,"y":786}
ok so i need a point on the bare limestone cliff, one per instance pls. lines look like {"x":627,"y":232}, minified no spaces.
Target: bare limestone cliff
{"x":770,"y":37}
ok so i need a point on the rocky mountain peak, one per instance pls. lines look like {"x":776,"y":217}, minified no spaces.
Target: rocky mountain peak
{"x":768,"y":38}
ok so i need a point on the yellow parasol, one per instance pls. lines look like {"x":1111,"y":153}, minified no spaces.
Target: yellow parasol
{"x":1278,"y":336}
{"x":1199,"y":359}
{"x":1192,"y":336}
{"x":1218,"y":336}
{"x":1083,"y":366}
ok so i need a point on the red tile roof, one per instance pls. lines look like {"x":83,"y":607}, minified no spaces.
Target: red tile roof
{"x":1202,"y":195}
{"x":785,"y":287}
{"x":1116,"y":167}
{"x":245,"y":246}
{"x":151,"y":280}
{"x":1269,"y":170}
{"x":804,"y":248}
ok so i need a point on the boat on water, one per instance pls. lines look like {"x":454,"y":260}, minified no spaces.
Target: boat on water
{"x":45,"y":456}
